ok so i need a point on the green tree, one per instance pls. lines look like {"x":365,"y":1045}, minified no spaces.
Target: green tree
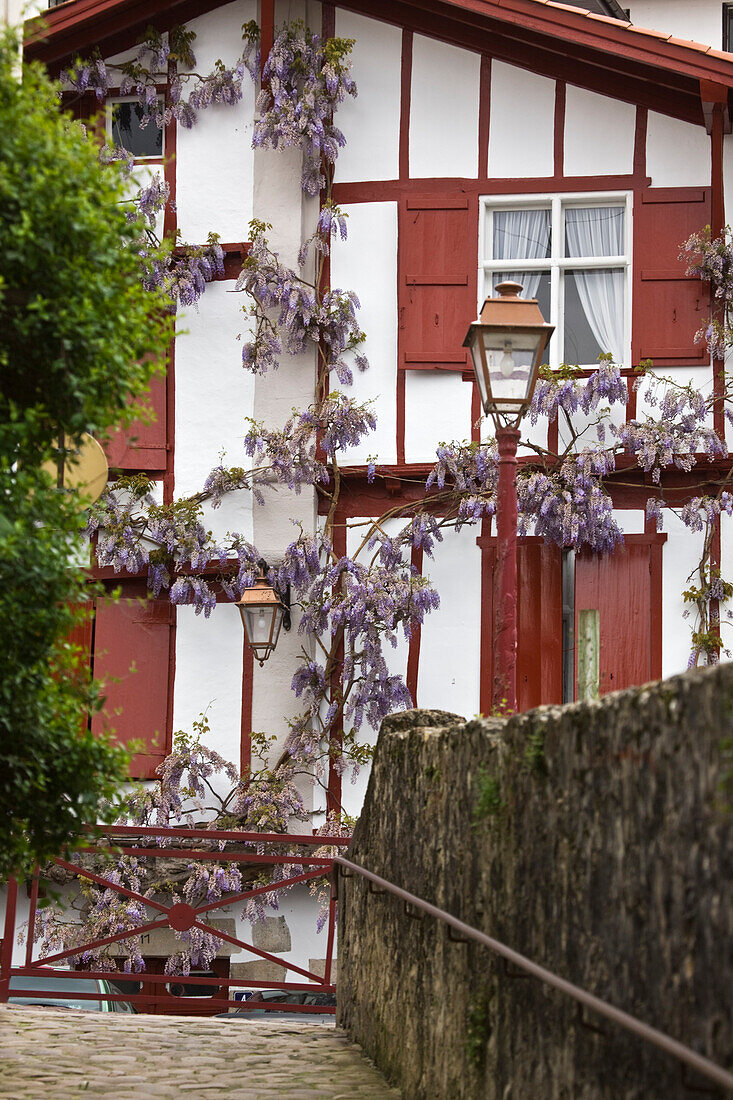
{"x":80,"y":336}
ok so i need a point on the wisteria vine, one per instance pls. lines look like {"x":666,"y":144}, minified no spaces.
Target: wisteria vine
{"x":353,"y":605}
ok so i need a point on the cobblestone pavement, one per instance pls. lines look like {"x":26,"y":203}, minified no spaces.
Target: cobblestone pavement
{"x":51,"y":1053}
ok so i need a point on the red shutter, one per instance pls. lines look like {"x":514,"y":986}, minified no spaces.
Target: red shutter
{"x":438,"y":257}
{"x":539,"y":623}
{"x":626,"y":589}
{"x":82,"y":633}
{"x":133,"y":647}
{"x":142,"y":446}
{"x":668,"y":307}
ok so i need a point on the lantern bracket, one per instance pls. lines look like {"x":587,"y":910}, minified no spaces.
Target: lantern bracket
{"x":284,"y":597}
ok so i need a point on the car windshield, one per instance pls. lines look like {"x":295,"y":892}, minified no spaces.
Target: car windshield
{"x":63,"y":988}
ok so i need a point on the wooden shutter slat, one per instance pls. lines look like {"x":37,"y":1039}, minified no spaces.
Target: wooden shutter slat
{"x":132,"y":653}
{"x":668,"y":308}
{"x":142,"y":446}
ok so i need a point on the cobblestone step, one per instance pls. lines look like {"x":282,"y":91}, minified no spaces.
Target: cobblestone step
{"x":47,"y":1053}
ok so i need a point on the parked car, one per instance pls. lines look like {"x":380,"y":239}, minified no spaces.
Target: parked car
{"x":63,"y":989}
{"x":280,"y":996}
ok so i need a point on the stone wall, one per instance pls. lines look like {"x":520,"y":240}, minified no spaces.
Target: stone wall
{"x":594,"y":838}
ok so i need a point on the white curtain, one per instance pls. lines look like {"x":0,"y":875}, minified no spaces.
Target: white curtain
{"x":599,"y":231}
{"x":521,"y":235}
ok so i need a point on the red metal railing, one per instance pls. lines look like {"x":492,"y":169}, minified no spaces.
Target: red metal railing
{"x":179,"y":916}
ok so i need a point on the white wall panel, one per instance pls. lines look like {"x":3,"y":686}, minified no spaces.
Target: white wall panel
{"x":699,"y":21}
{"x":726,"y":569}
{"x":728,"y":176}
{"x":213,"y":396}
{"x":371,"y":122}
{"x":599,"y":134}
{"x":443,"y":109}
{"x":677,"y":153}
{"x":367,"y":264}
{"x":700,"y":377}
{"x":437,"y":410}
{"x":518,"y":94}
{"x":450,"y":643}
{"x":354,"y":786}
{"x":209,"y":676}
{"x":630,"y":520}
{"x":214,"y":159}
{"x":680,"y":555}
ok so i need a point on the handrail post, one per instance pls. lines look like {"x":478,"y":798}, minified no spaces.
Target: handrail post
{"x":6,"y":953}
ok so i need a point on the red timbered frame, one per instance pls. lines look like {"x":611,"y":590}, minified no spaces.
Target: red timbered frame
{"x":648,"y":69}
{"x":196,"y":845}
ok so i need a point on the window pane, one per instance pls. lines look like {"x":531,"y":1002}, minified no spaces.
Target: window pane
{"x":127,"y":131}
{"x":580,"y":344}
{"x":536,"y":284}
{"x":521,"y":234}
{"x":594,"y":231}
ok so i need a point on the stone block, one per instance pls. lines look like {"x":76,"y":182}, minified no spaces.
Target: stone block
{"x":318,"y":966}
{"x":162,"y":942}
{"x":261,"y":970}
{"x":272,"y":934}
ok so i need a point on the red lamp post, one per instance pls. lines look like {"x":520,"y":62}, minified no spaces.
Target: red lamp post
{"x":507,"y":343}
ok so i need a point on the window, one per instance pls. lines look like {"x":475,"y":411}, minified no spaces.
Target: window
{"x":125,"y":126}
{"x":571,"y":253}
{"x":728,"y":27}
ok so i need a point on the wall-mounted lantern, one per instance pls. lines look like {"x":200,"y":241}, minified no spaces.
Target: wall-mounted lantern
{"x":263,"y":613}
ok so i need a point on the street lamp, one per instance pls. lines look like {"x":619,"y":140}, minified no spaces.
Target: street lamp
{"x":263,"y":612}
{"x":507,"y":344}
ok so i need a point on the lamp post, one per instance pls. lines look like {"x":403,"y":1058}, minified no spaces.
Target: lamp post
{"x":263,"y":612}
{"x":507,"y":343}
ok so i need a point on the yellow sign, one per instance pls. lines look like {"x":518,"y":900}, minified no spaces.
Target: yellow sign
{"x":85,"y":469}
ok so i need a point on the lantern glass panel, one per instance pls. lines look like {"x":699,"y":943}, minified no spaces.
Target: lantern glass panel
{"x":479,"y":369}
{"x":262,"y":624}
{"x":510,"y":357}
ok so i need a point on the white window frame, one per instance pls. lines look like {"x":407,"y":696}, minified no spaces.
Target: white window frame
{"x":110,"y":105}
{"x":557,"y":264}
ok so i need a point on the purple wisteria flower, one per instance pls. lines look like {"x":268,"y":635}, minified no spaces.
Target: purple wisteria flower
{"x":303,"y":80}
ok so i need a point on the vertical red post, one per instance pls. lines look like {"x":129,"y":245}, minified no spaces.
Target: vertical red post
{"x":31,"y":929}
{"x":505,"y":634}
{"x":6,"y":953}
{"x":331,"y":931}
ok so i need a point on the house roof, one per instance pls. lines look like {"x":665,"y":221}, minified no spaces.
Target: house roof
{"x":593,"y":50}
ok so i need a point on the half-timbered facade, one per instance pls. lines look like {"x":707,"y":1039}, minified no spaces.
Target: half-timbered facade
{"x":489,"y":138}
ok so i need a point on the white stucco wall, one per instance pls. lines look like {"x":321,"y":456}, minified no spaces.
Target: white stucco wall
{"x":680,"y":556}
{"x":209,"y":655}
{"x":516,"y":93}
{"x":354,"y":785}
{"x":450,"y":644}
{"x":437,"y":410}
{"x":215,"y":159}
{"x":677,"y":153}
{"x":371,"y":122}
{"x":599,"y":134}
{"x":630,"y":520}
{"x":443,"y":109}
{"x":213,"y":396}
{"x":367,"y":263}
{"x":728,"y":176}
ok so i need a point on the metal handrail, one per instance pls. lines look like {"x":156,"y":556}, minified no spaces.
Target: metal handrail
{"x":671,"y":1046}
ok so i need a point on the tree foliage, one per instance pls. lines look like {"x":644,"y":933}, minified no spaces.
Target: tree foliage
{"x":79,"y":338}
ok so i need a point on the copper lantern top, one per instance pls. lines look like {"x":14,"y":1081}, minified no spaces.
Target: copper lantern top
{"x":507,"y":343}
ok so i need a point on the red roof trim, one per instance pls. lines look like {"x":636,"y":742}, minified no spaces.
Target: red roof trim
{"x":64,"y":27}
{"x":609,"y":36}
